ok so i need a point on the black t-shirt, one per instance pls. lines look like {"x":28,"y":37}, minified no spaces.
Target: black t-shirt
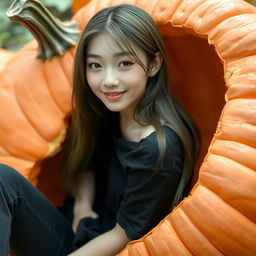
{"x":131,"y":189}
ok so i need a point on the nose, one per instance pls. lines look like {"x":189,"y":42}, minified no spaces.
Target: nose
{"x":110,"y":80}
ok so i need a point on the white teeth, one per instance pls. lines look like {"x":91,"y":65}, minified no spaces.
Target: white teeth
{"x":114,"y":93}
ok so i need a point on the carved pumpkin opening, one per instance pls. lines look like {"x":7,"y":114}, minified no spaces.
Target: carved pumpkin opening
{"x":197,"y":77}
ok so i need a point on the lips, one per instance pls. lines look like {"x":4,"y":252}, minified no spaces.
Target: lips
{"x":113,"y":96}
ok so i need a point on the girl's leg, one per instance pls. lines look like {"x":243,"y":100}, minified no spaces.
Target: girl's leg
{"x":28,"y":221}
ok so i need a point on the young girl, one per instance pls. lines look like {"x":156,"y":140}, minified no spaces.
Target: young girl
{"x":129,"y":154}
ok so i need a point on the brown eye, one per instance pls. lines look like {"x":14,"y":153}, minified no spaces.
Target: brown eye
{"x":124,"y":64}
{"x":94,"y":65}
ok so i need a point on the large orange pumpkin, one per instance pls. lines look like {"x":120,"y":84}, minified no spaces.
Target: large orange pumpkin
{"x":35,"y":89}
{"x":219,"y":216}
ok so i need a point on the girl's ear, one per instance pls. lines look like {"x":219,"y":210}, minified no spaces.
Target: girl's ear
{"x":155,"y":65}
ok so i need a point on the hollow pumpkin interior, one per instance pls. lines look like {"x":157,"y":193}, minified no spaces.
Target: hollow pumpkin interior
{"x":197,"y":79}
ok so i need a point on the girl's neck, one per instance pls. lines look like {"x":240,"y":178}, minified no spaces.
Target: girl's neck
{"x":128,"y":126}
{"x":132,"y":130}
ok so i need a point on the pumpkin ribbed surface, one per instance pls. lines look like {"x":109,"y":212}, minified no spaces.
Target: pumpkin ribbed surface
{"x":35,"y":90}
{"x":219,"y":217}
{"x":29,"y":132}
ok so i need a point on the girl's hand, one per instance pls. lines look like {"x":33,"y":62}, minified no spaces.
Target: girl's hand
{"x":81,"y":211}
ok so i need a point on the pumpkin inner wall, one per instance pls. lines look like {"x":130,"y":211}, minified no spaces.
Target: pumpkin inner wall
{"x":197,"y":80}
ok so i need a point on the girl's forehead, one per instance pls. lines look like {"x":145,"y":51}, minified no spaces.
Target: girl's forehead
{"x":105,"y":42}
{"x":102,"y":41}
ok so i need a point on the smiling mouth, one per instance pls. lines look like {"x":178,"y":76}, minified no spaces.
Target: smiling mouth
{"x":114,"y":95}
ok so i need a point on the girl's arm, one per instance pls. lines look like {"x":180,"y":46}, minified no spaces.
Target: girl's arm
{"x":107,"y":244}
{"x":84,"y":198}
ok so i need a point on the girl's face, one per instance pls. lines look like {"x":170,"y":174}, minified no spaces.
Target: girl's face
{"x":114,"y":75}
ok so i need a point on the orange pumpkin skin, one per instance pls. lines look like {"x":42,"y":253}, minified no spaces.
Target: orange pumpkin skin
{"x":35,"y":93}
{"x":219,"y":217}
{"x":78,"y":4}
{"x":40,"y":125}
{"x":5,"y":56}
{"x":36,"y":98}
{"x":22,"y":94}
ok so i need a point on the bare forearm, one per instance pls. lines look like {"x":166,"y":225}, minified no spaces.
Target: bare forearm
{"x":84,"y":198}
{"x":85,"y":188}
{"x":107,"y":244}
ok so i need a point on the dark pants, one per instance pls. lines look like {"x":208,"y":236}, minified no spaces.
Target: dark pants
{"x":29,"y":223}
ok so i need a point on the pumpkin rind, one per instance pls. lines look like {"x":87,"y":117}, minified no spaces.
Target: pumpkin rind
{"x":36,"y":100}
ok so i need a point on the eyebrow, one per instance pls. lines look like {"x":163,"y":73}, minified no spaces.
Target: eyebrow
{"x":118,"y":54}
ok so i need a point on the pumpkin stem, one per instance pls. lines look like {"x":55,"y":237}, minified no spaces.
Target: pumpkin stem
{"x":54,"y":37}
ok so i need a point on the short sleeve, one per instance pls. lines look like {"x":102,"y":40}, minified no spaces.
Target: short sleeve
{"x":149,"y":192}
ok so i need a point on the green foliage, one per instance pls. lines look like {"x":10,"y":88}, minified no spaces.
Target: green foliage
{"x":13,"y":35}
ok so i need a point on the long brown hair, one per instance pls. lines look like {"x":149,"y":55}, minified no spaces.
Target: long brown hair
{"x":127,"y":25}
